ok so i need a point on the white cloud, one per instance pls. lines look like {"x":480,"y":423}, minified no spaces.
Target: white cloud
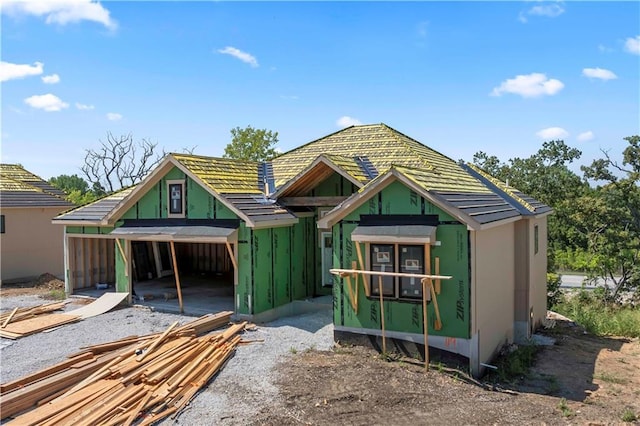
{"x":114,"y":116}
{"x":552,"y":10}
{"x":9,"y":71}
{"x":51,"y":79}
{"x":552,"y":133}
{"x":632,"y":45}
{"x":529,"y":86}
{"x":586,"y":136}
{"x":289,"y":97}
{"x":84,"y":107}
{"x":239,"y":54}
{"x":604,"y":49}
{"x":46,"y":102}
{"x":61,"y":12}
{"x":600,"y":73}
{"x":346,"y":121}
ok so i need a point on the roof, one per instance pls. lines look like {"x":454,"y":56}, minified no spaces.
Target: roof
{"x":21,"y":188}
{"x":97,"y":210}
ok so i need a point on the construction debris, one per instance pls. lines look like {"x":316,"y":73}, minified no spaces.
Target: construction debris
{"x":22,"y":322}
{"x":133,"y":380}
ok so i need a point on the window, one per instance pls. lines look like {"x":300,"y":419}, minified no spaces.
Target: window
{"x":535,"y":239}
{"x":175,"y":188}
{"x":397,"y":257}
{"x":1,"y":224}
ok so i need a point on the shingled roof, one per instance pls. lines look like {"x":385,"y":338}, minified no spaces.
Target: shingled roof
{"x":21,"y":188}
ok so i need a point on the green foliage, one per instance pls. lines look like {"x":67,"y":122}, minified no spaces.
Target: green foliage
{"x":591,"y":310}
{"x":629,"y":415}
{"x":554,"y":294}
{"x":565,"y":409}
{"x":76,"y":188}
{"x":251,"y":144}
{"x":515,"y":364}
{"x":575,"y":259}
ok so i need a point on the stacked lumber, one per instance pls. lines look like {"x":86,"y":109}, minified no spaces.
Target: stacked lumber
{"x":136,"y":379}
{"x":22,"y":322}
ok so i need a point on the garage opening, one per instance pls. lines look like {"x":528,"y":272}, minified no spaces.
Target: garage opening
{"x":205,"y":272}
{"x":186,"y":265}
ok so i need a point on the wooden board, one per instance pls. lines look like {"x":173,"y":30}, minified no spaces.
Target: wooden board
{"x":103,"y":304}
{"x":34,"y":325}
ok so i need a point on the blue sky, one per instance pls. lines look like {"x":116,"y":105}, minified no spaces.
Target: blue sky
{"x":460,"y":77}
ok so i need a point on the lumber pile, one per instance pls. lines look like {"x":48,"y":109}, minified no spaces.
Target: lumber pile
{"x":22,"y":322}
{"x":133,"y":380}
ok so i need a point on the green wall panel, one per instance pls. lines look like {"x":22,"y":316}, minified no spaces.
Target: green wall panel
{"x":281,"y":246}
{"x":147,"y":207}
{"x":311,"y":233}
{"x":199,"y":201}
{"x":298,"y":260}
{"x":329,"y":187}
{"x":244,"y":289}
{"x":122,"y":280}
{"x":264,"y":298}
{"x":402,"y":315}
{"x":223,"y":212}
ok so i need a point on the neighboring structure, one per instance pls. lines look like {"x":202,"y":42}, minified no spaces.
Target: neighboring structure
{"x":275,"y":229}
{"x":30,"y":244}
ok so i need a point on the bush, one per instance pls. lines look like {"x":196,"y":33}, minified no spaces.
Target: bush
{"x":554,"y":294}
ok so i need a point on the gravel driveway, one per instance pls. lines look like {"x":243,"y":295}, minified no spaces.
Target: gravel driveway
{"x":243,"y":387}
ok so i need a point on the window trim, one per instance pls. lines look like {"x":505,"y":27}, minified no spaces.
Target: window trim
{"x":536,"y":239}
{"x":2,"y":224}
{"x":397,"y":247}
{"x":171,"y":183}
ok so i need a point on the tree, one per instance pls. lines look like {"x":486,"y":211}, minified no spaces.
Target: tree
{"x":610,"y":218}
{"x":119,"y":162}
{"x":76,"y":188}
{"x":251,"y":144}
{"x":546,"y":176}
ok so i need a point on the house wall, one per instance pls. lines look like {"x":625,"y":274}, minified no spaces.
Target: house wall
{"x":493,"y":292}
{"x":402,"y":315}
{"x":538,"y":287}
{"x":31,"y":244}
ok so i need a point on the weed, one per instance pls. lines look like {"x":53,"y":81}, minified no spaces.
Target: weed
{"x":610,"y":378}
{"x":565,"y":409}
{"x":629,"y":416}
{"x":56,"y":295}
{"x":515,"y":364}
{"x":389,"y":356}
{"x":293,"y":350}
{"x":601,"y":318}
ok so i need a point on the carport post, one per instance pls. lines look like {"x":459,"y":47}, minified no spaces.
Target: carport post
{"x":175,"y":272}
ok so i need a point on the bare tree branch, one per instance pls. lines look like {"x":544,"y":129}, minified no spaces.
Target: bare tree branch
{"x":120,"y":162}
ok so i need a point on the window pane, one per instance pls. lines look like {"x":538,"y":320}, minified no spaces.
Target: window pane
{"x":411,"y":262}
{"x":175,"y":198}
{"x":383,"y":259}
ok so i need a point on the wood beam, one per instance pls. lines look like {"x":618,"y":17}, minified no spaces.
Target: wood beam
{"x":231,"y":255}
{"x":175,"y":273}
{"x":311,"y":201}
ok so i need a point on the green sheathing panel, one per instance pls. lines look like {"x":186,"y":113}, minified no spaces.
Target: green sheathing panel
{"x":281,"y":256}
{"x":311,"y":251}
{"x":244,"y":289}
{"x":299,"y":289}
{"x":122,"y":280}
{"x":264,"y":298}
{"x":200,"y":204}
{"x":406,"y":316}
{"x":95,"y":230}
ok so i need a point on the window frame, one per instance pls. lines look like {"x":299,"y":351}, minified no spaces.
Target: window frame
{"x":170,"y":185}
{"x":536,"y":239}
{"x":2,"y":224}
{"x":397,"y":281}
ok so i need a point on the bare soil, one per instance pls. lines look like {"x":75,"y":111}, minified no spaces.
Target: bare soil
{"x":43,"y":285}
{"x":582,"y":379}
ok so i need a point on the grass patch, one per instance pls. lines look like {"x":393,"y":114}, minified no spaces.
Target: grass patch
{"x":600,"y":318}
{"x":55,"y":295}
{"x":610,"y":378}
{"x":629,"y":416}
{"x":565,"y":409}
{"x":515,"y":364}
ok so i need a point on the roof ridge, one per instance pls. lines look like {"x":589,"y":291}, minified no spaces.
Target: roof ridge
{"x":502,"y":187}
{"x":209,"y":157}
{"x":396,"y":134}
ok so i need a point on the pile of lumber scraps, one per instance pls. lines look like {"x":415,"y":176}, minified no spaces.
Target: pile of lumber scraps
{"x":133,"y":380}
{"x":22,"y":322}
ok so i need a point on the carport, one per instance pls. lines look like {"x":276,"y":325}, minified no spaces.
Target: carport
{"x":177,"y":259}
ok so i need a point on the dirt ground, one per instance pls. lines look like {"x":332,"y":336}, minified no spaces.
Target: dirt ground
{"x":43,"y":286}
{"x":582,"y":379}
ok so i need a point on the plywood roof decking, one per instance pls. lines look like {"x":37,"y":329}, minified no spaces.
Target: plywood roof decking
{"x":223,"y":175}
{"x":21,"y":188}
{"x":381,"y":145}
